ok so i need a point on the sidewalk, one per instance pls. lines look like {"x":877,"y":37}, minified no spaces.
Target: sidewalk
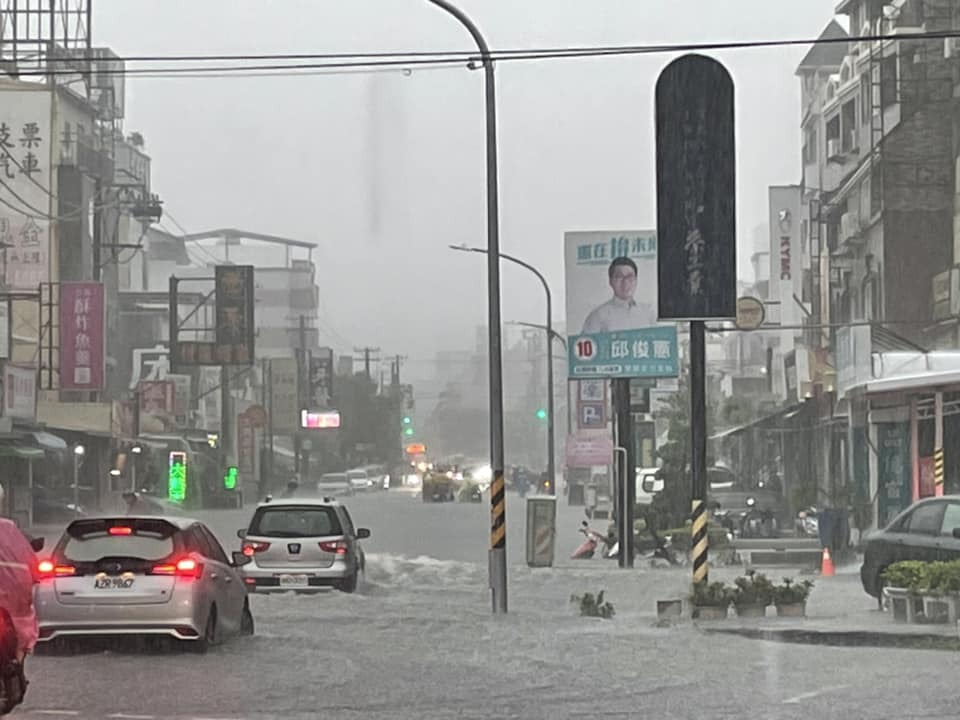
{"x":839,"y":612}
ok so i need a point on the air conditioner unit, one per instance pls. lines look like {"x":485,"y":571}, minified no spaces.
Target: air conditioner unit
{"x":834,"y":149}
{"x":951,"y":47}
{"x":849,"y":227}
{"x":945,"y":294}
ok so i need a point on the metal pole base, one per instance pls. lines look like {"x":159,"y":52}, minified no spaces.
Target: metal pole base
{"x":498,"y":580}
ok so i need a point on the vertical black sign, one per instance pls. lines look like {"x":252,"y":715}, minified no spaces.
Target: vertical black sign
{"x":321,"y":379}
{"x":235,"y":328}
{"x":696,"y":200}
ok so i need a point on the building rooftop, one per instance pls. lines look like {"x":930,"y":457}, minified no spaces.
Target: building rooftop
{"x":229,"y":234}
{"x":829,"y":50}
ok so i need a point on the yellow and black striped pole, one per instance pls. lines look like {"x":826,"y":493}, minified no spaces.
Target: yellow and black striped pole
{"x":498,"y":542}
{"x":938,"y":444}
{"x":498,"y":514}
{"x":698,"y":447}
{"x":698,"y":541}
{"x":938,"y":471}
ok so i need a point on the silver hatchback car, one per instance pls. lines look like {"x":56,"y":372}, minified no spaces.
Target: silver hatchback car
{"x":146,"y":575}
{"x":302,"y":545}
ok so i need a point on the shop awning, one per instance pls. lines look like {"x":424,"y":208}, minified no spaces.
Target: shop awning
{"x":784,"y":414}
{"x":918,"y":381}
{"x":21,"y":452}
{"x":49,"y":441}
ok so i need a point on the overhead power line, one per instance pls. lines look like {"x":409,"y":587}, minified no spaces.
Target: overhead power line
{"x":367,"y":60}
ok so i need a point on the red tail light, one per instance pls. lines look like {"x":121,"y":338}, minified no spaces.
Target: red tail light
{"x":252,"y":547}
{"x":186,"y":568}
{"x":120,"y":530}
{"x":46,"y":569}
{"x":337,"y":547}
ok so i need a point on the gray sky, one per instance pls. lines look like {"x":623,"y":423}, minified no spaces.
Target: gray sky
{"x":303,"y":156}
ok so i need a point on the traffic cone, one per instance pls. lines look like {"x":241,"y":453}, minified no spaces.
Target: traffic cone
{"x":826,"y":564}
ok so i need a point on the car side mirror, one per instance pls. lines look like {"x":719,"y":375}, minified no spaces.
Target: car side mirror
{"x":239,"y":559}
{"x":363,"y":533}
{"x":956,"y":533}
{"x":241,"y":533}
{"x":37,"y":544}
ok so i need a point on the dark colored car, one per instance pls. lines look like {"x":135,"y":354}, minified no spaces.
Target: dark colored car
{"x":927,"y":530}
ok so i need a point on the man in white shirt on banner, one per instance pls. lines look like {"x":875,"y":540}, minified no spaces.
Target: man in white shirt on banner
{"x":621,"y":312}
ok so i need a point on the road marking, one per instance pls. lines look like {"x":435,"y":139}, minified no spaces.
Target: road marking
{"x":797,"y":699}
{"x":126,"y":716}
{"x":69,"y":713}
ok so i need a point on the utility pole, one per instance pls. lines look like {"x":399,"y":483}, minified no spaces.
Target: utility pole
{"x":497,"y":563}
{"x":365,"y":353}
{"x":395,"y":369}
{"x":301,"y":462}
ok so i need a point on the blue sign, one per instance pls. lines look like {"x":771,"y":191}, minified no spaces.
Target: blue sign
{"x":644,"y":353}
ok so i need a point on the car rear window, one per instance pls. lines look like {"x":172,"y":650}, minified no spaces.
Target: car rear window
{"x":295,"y":522}
{"x":357,"y":474}
{"x":334,"y":478}
{"x":89,"y":541}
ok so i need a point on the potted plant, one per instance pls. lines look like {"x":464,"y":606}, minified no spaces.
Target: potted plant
{"x":751,"y":594}
{"x":791,"y":597}
{"x":710,"y":600}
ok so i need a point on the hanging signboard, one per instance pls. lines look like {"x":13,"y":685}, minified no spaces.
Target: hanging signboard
{"x":696,"y":181}
{"x":283,"y":403}
{"x":81,"y":336}
{"x":25,"y":162}
{"x":611,"y":284}
{"x":20,"y":392}
{"x":321,"y":378}
{"x":234,"y":311}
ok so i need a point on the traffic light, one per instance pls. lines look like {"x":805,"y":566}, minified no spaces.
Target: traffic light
{"x":407,"y":420}
{"x":541,"y":414}
{"x":408,"y":431}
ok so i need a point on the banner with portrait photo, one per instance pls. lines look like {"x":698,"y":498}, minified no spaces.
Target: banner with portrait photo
{"x":611,"y":290}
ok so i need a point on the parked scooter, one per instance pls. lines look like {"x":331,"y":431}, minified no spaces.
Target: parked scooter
{"x":758,"y":522}
{"x":593,"y":539}
{"x":808,"y":523}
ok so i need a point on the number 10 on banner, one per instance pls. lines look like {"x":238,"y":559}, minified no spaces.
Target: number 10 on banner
{"x":585,"y":349}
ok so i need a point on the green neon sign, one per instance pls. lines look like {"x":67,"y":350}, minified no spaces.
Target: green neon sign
{"x":177,"y":477}
{"x":230,"y":479}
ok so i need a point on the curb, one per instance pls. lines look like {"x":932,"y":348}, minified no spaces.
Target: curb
{"x":844,"y":638}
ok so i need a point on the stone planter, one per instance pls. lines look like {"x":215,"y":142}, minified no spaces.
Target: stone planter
{"x":905,"y":606}
{"x":709,"y":612}
{"x":792,"y":610}
{"x":751,"y":611}
{"x":671,"y":610}
{"x":941,"y":609}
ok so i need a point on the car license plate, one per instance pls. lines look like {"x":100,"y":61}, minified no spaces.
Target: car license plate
{"x":106,"y":582}
{"x":294,"y":581}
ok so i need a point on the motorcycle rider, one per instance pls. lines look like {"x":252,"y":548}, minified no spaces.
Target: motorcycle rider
{"x":18,"y":621}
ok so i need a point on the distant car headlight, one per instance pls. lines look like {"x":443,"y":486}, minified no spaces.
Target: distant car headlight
{"x":751,"y":501}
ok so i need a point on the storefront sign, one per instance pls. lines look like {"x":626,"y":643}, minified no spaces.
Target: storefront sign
{"x":321,"y":378}
{"x":25,"y":161}
{"x":586,"y":449}
{"x":81,"y":336}
{"x":20,"y":392}
{"x":893,"y":470}
{"x":234,"y":310}
{"x":283,"y":402}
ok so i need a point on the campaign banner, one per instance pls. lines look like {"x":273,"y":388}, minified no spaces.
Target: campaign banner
{"x":611,"y":290}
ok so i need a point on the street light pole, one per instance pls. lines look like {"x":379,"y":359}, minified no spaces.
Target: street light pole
{"x":498,"y":500}
{"x":551,"y":446}
{"x":78,"y":451}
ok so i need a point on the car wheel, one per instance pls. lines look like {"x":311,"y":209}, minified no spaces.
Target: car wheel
{"x":210,"y":635}
{"x":246,"y":620}
{"x":349,"y":583}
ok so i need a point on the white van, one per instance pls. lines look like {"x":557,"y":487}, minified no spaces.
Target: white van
{"x":649,"y":483}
